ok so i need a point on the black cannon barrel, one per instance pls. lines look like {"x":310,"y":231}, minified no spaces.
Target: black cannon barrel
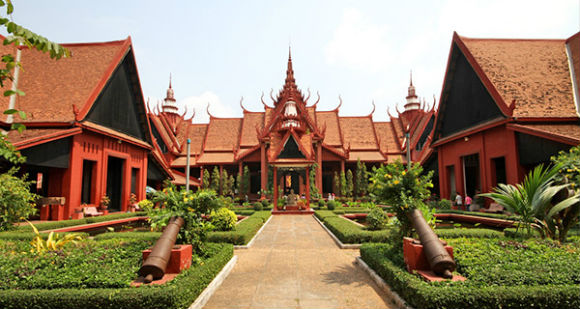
{"x":440,"y":261}
{"x":154,"y":267}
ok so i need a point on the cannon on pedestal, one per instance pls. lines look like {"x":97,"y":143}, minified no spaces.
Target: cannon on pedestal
{"x":438,"y":258}
{"x":154,"y":267}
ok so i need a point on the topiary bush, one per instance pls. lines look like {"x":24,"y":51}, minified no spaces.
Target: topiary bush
{"x":444,"y":204}
{"x":265,"y":203}
{"x":16,"y":200}
{"x":258,"y":206}
{"x":331,"y":205}
{"x":377,"y":219}
{"x":224,"y":219}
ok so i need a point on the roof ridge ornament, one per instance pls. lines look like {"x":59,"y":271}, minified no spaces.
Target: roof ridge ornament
{"x":242,"y":105}
{"x":373,"y":111}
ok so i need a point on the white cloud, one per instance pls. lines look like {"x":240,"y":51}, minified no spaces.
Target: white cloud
{"x":198,"y":104}
{"x":358,"y":43}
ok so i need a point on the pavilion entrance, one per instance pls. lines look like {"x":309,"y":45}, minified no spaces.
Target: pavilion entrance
{"x":292,"y":184}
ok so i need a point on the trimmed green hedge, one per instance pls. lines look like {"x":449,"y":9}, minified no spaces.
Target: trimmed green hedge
{"x":349,"y":232}
{"x":244,"y":212}
{"x":244,"y":231}
{"x":475,"y":233}
{"x":178,"y":293}
{"x":351,"y":210}
{"x":478,"y":214}
{"x":51,"y":225}
{"x":387,"y":261}
{"x":145,"y":236}
{"x":28,"y":236}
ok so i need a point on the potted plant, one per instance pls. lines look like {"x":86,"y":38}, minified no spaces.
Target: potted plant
{"x":104,"y":204}
{"x":132,"y":203}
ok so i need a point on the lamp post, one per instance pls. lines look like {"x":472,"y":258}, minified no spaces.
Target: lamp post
{"x":408,"y":150}
{"x":187,"y":165}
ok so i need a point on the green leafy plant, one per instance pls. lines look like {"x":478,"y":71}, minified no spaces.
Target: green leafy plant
{"x":145,"y":205}
{"x":401,"y":188}
{"x":377,"y":219}
{"x":54,"y":242}
{"x":206,"y":180}
{"x":532,"y":198}
{"x":16,"y":200}
{"x":215,"y":180}
{"x":331,"y":205}
{"x":258,"y":206}
{"x":187,"y":205}
{"x":349,"y":183}
{"x":223,"y":219}
{"x":343,"y":184}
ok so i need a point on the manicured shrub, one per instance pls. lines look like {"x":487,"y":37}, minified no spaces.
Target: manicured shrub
{"x":180,"y":293}
{"x":244,"y":232}
{"x":258,"y":206}
{"x":464,"y":232}
{"x":444,"y":204}
{"x":349,"y":232}
{"x":145,"y":205}
{"x":50,"y":225}
{"x":331,"y":205}
{"x":377,"y":219}
{"x":321,"y":203}
{"x":143,"y":236}
{"x":265,"y":203}
{"x":16,"y":200}
{"x":223,"y":219}
{"x":387,"y":261}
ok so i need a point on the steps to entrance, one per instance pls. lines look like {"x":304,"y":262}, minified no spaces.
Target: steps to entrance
{"x":293,"y":212}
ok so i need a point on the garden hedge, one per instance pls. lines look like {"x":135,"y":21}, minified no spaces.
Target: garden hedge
{"x":463,"y":232}
{"x":178,"y":293}
{"x":349,"y":232}
{"x":386,"y":261}
{"x":146,"y":236}
{"x":478,"y":214}
{"x":244,"y":230}
{"x":50,"y":225}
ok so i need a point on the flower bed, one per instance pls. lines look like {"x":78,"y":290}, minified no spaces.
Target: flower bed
{"x":348,"y":232}
{"x":70,"y":292}
{"x":501,"y":273}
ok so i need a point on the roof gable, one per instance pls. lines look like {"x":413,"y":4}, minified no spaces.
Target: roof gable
{"x":358,"y":132}
{"x":465,"y":100}
{"x":291,"y":150}
{"x":119,"y":105}
{"x":222,"y":134}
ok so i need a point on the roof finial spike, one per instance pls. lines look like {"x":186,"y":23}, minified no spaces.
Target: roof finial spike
{"x":411,"y":78}
{"x":170,"y":80}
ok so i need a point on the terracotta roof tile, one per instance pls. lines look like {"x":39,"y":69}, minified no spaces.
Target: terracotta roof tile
{"x":251,"y":120}
{"x":564,"y":131}
{"x":394,"y":158}
{"x":52,"y":87}
{"x":386,"y":137}
{"x":534,"y":73}
{"x":366,"y":156}
{"x":165,"y":136}
{"x":332,"y":134}
{"x":179,"y":180}
{"x":222,"y":134}
{"x":358,"y":132}
{"x":312,"y":113}
{"x":215,"y":157}
{"x":574,"y":44}
{"x":182,"y":161}
{"x":111,"y":132}
{"x":196,"y":133}
{"x":34,"y":135}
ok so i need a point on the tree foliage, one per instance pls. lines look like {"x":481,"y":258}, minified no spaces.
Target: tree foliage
{"x":342,"y":184}
{"x":349,"y":183}
{"x":215,"y":179}
{"x":312,"y":181}
{"x":16,"y":200}
{"x":206,"y":181}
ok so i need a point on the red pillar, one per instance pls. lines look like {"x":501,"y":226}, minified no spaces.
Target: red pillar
{"x":319,"y":169}
{"x":201,"y":176}
{"x":307,"y":187}
{"x":264,"y":176}
{"x":275,"y":189}
{"x":342,"y":165}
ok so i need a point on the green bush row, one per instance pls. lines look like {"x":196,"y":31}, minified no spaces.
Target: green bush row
{"x":244,"y":212}
{"x":421,"y":294}
{"x":350,"y":233}
{"x":479,"y":214}
{"x":243,"y":232}
{"x":351,"y":210}
{"x":28,"y":236}
{"x":51,"y":225}
{"x":179,"y":293}
{"x":145,"y":236}
{"x":463,"y":232}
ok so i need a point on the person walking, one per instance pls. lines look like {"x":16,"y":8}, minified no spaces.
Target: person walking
{"x":458,"y":201}
{"x":468,"y":202}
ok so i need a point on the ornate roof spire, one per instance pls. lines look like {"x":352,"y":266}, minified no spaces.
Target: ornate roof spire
{"x":290,"y":71}
{"x":413,"y":102}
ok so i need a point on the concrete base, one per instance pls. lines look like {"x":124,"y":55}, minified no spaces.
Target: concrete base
{"x":293,"y":212}
{"x":430,"y":276}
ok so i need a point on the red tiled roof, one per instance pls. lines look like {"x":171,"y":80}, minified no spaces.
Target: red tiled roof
{"x":534,"y":73}
{"x":52,"y":87}
{"x":573,"y":44}
{"x":385,"y":136}
{"x":569,"y":133}
{"x":332,"y":134}
{"x":179,"y":179}
{"x":366,"y":156}
{"x":196,"y":133}
{"x":33,"y":136}
{"x":222,"y":134}
{"x":394,"y":158}
{"x":251,"y":120}
{"x":358,"y":132}
{"x":312,"y":113}
{"x":113,"y":133}
{"x":182,"y":161}
{"x":215,"y":157}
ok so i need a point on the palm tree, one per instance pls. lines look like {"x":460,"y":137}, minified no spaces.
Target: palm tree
{"x":532,"y":199}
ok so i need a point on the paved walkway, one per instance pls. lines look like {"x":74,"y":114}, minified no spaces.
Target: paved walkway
{"x":295,"y":264}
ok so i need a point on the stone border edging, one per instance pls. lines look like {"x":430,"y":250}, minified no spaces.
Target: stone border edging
{"x":336,"y":240}
{"x":400,"y":302}
{"x":206,"y":294}
{"x":255,"y":236}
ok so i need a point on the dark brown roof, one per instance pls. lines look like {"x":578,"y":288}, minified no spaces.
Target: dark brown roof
{"x":534,"y":73}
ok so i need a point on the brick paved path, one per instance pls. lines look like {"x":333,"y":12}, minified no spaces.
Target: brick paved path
{"x":295,"y":264}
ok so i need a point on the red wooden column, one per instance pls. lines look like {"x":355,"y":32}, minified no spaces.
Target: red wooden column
{"x":275,"y":188}
{"x":308,"y":187}
{"x":342,"y":165}
{"x":201,"y":176}
{"x":319,"y":169}
{"x":264,"y":175}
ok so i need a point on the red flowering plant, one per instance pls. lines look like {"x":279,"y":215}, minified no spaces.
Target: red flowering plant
{"x":404,"y":189}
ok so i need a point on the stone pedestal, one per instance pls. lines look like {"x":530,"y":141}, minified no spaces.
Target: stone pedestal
{"x":179,"y":260}
{"x":56,"y":212}
{"x":417,"y":262}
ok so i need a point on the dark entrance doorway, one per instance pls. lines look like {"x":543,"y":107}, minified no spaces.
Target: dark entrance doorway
{"x":471,"y":174}
{"x":498,"y":170}
{"x":115,"y":182}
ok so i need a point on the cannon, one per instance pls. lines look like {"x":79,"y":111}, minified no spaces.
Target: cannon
{"x":154,"y":267}
{"x":439,"y":260}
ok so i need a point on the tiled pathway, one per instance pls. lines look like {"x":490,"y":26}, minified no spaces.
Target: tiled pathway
{"x":295,"y":264}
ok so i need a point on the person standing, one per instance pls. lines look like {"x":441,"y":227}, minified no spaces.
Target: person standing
{"x":458,"y":201}
{"x":468,"y":202}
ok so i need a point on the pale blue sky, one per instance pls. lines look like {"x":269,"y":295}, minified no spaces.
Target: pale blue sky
{"x":218,"y":51}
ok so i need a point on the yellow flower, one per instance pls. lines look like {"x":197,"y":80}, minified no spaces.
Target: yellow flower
{"x":396,"y":182}
{"x":403,"y":173}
